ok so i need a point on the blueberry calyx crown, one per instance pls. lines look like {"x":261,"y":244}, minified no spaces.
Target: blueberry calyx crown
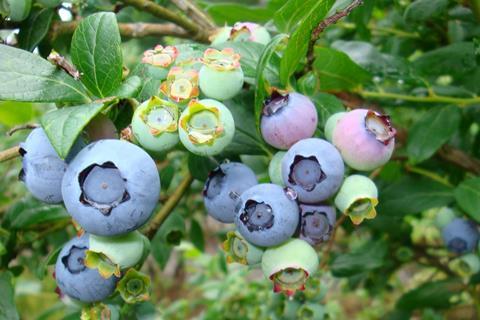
{"x":181,"y":85}
{"x":289,"y":280}
{"x":306,"y":172}
{"x":224,"y":60}
{"x":92,"y":198}
{"x":160,"y":56}
{"x":275,"y":103}
{"x":74,"y":261}
{"x":257,"y":216}
{"x":160,"y":116}
{"x":458,"y":245}
{"x":315,"y":225}
{"x":381,"y":126}
{"x":202,"y":123}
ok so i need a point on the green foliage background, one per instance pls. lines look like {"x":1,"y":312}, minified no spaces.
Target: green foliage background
{"x":419,"y":61}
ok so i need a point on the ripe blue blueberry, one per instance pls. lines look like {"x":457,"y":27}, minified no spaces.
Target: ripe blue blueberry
{"x":288,"y":118}
{"x":267,"y":215}
{"x":224,"y":186}
{"x":77,"y":281}
{"x":43,"y":169}
{"x":460,"y":236}
{"x":111,"y":187}
{"x":316,"y":223}
{"x":314,"y":169}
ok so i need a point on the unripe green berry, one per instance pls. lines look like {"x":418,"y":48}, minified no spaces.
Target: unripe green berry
{"x":240,"y":250}
{"x":331,"y":123}
{"x":19,"y":9}
{"x":275,"y":168}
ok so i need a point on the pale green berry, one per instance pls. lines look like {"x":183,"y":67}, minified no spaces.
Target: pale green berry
{"x":466,"y":265}
{"x":331,"y":123}
{"x":275,"y":168}
{"x":19,"y":9}
{"x":444,"y":216}
{"x":240,"y":250}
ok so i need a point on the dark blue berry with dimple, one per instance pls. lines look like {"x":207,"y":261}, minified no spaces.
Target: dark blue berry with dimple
{"x":223,"y":188}
{"x":111,"y":187}
{"x":77,"y":281}
{"x":460,"y":235}
{"x":42,"y":169}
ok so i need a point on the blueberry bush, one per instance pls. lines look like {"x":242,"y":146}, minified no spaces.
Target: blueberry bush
{"x":260,"y":159}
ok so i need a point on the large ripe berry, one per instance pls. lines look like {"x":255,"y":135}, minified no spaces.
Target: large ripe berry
{"x":77,"y":281}
{"x":111,"y":187}
{"x":316,"y":223}
{"x":289,"y":265}
{"x":221,"y":76}
{"x":206,"y":127}
{"x":314,"y":169}
{"x":460,"y":236}
{"x":365,"y":139}
{"x":155,"y":124}
{"x":267,"y":215}
{"x":287,"y":119}
{"x":43,"y":170}
{"x":224,"y":186}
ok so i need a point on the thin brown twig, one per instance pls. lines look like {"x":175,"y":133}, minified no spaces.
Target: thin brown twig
{"x":22,"y":127}
{"x":127,"y":30}
{"x":9,"y":154}
{"x":168,"y":207}
{"x":195,"y":13}
{"x":195,"y":31}
{"x":326,"y":252}
{"x":323,"y":25}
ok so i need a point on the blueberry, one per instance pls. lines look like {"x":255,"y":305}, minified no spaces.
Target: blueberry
{"x":275,"y":168}
{"x":331,"y":123}
{"x":181,"y":85}
{"x":221,"y":76}
{"x":111,"y":187}
{"x":267,"y":215}
{"x":460,"y":235}
{"x":43,"y":169}
{"x":206,"y":127}
{"x":314,"y":169}
{"x":155,"y":125}
{"x":242,"y":31}
{"x":160,"y":57}
{"x":288,"y":118}
{"x":365,"y":139}
{"x":239,"y":250}
{"x":77,"y":281}
{"x":316,"y":223}
{"x":223,"y":188}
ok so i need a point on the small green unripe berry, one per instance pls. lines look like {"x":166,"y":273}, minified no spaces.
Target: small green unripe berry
{"x":275,"y":168}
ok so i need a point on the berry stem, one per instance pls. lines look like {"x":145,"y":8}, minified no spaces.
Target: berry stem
{"x":429,"y":174}
{"x":326,"y":253}
{"x":195,"y":31}
{"x":195,"y":13}
{"x":461,"y":102}
{"x":9,"y":154}
{"x":168,"y":207}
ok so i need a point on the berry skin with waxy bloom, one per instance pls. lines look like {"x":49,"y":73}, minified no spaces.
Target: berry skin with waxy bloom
{"x":316,"y":223}
{"x":111,"y":187}
{"x":460,"y":236}
{"x":206,"y":127}
{"x":155,"y":124}
{"x":160,"y":56}
{"x":77,"y":281}
{"x":365,"y":138}
{"x":357,"y":198}
{"x":289,"y":265}
{"x":287,"y":119}
{"x":314,"y":169}
{"x":267,"y":215}
{"x":181,"y":85}
{"x":240,"y":250}
{"x":240,"y":32}
{"x":224,"y":186}
{"x":221,"y":76}
{"x":42,"y":169}
{"x":331,"y":124}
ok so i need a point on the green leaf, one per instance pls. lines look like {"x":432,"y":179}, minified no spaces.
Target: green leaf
{"x":129,"y":88}
{"x":467,"y":195}
{"x":410,"y":195}
{"x":369,"y":257}
{"x":35,"y":28}
{"x":196,"y":235}
{"x":151,"y":79}
{"x":229,"y":13}
{"x":262,"y":85}
{"x":326,"y":105}
{"x":200,"y":166}
{"x":431,"y":295}
{"x":297,"y":46}
{"x":15,"y":113}
{"x":337,"y":71}
{"x":48,"y":261}
{"x":421,"y":10}
{"x":457,"y":59}
{"x":97,"y":54}
{"x":8,"y":311}
{"x":431,"y":131}
{"x":29,"y":212}
{"x":63,"y":126}
{"x":291,"y":14}
{"x":170,"y":233}
{"x":25,"y":76}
